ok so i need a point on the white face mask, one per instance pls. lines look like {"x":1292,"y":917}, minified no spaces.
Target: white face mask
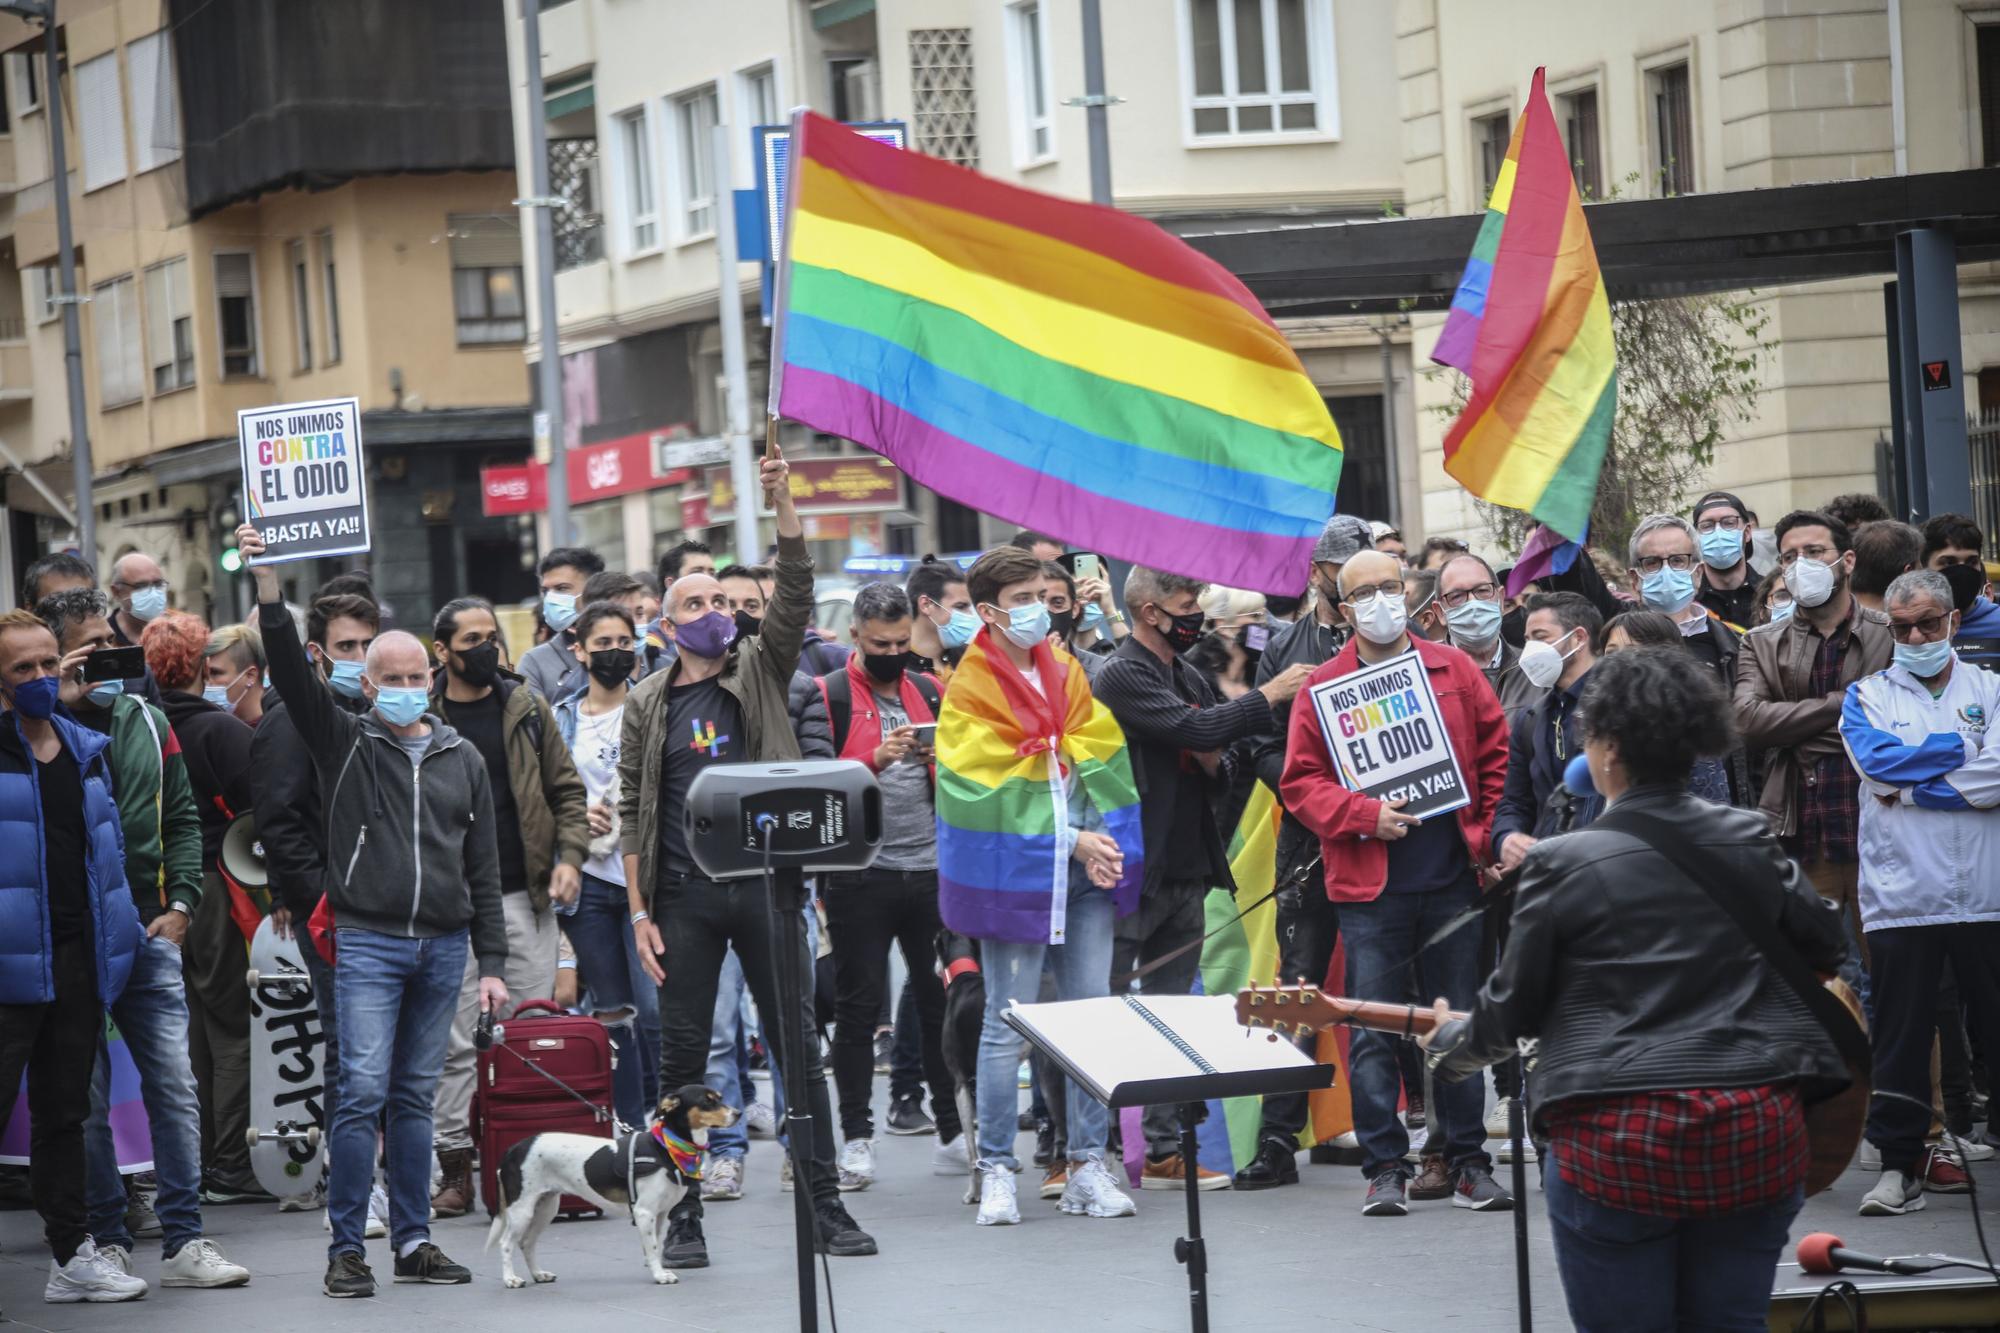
{"x":1382,"y":620}
{"x":1542,"y":663}
{"x":1810,"y":581}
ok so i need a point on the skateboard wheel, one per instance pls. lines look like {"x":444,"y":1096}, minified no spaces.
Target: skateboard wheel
{"x":312,"y":1136}
{"x":253,"y":1137}
{"x":250,"y":978}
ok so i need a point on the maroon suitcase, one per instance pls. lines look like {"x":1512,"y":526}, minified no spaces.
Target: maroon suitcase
{"x":514,"y":1100}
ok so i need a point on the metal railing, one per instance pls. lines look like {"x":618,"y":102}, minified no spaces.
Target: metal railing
{"x":1982,"y":448}
{"x":13,"y":329}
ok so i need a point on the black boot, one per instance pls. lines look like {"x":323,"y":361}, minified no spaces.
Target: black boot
{"x":836,"y":1231}
{"x":685,"y":1246}
{"x":1275,"y":1164}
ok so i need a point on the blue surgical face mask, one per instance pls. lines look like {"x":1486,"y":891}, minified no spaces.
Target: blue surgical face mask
{"x":558,"y":610}
{"x":345,"y":678}
{"x":1093,"y":617}
{"x":1667,"y":589}
{"x":105,"y":692}
{"x":217,"y":695}
{"x":1923,"y":660}
{"x":1027,"y":625}
{"x":149,"y":603}
{"x":1782,"y":611}
{"x":958,"y":630}
{"x":1477,"y":621}
{"x":1722,"y":548}
{"x":400,"y":707}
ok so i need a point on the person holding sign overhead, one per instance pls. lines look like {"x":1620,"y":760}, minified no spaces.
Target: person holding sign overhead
{"x":1398,"y":766}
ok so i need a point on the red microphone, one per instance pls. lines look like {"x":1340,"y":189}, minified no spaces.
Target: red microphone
{"x":1822,"y":1252}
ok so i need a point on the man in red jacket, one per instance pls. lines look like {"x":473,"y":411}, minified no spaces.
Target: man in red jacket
{"x":1398,"y":879}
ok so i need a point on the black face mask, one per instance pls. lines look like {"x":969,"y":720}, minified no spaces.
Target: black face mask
{"x":479,"y":667}
{"x":1183,"y":632}
{"x":748,"y":626}
{"x":885,"y":667}
{"x":1062,"y":623}
{"x":610,"y":667}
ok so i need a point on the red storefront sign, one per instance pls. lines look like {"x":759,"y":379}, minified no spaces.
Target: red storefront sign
{"x":596,"y":472}
{"x":849,"y":484}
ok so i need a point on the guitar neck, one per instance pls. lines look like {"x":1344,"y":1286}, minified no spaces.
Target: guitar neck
{"x":1307,"y":1009}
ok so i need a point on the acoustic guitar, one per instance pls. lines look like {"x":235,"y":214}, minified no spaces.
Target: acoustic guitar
{"x":1833,"y":1124}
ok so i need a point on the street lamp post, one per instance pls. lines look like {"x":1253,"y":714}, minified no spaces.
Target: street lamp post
{"x":548,"y":371}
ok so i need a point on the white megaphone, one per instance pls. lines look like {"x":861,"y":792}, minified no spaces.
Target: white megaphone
{"x":243,"y":856}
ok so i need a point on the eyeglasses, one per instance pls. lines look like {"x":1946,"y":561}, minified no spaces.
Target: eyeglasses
{"x":1727,"y":522}
{"x":1825,"y":555}
{"x":1360,"y":597}
{"x":1650,"y":564}
{"x":1485,"y":592}
{"x":1917,"y":631}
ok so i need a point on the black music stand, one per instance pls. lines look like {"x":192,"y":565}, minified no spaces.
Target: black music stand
{"x":1180,"y":1049}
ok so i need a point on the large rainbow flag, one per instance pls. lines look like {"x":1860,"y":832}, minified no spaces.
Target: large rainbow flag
{"x":1066,"y":367}
{"x":1531,"y":326}
{"x":1005,"y":752}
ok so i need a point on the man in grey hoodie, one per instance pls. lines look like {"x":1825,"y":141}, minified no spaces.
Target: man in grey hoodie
{"x":413,"y":883}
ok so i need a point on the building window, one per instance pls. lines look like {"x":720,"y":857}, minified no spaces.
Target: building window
{"x":1257,"y":67}
{"x":486,"y":288}
{"x":101,"y":115}
{"x":1491,"y":136}
{"x":236,"y":312}
{"x":1989,"y":93}
{"x":944,"y":120}
{"x":170,"y":325}
{"x":757,"y":90}
{"x":695,"y":115}
{"x":1586,"y":159}
{"x":6,"y":94}
{"x":329,"y":296}
{"x":156,"y":121}
{"x":26,"y":80}
{"x":114,"y":321}
{"x":573,"y":178}
{"x":642,"y":209}
{"x":1028,"y":68}
{"x":853,"y":88}
{"x":301,"y":283}
{"x":1673,"y":129}
{"x":48,"y":286}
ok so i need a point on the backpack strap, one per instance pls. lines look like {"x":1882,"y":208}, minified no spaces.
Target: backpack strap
{"x":838,"y":692}
{"x":932,"y":692}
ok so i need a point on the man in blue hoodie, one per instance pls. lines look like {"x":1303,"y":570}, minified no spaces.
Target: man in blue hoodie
{"x":1955,"y":548}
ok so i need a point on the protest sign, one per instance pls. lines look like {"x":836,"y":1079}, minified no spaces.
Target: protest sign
{"x":1388,"y":739}
{"x":304,"y":483}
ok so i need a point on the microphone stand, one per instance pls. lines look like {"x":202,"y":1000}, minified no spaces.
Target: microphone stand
{"x":787,"y":888}
{"x":1517,"y":1118}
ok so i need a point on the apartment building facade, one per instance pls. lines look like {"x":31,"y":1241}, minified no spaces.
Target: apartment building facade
{"x":271,"y":204}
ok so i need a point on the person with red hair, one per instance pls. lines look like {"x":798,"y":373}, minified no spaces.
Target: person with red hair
{"x":217,"y":747}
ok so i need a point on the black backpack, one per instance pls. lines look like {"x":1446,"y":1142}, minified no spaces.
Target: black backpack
{"x":838,"y":691}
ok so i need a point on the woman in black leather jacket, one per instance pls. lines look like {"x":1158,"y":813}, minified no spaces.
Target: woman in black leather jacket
{"x":1674,"y":1062}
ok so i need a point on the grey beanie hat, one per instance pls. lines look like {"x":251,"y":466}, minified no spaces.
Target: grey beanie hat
{"x":1344,"y":537}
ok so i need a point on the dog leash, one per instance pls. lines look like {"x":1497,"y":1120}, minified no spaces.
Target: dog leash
{"x":484,"y":1038}
{"x":1295,"y":880}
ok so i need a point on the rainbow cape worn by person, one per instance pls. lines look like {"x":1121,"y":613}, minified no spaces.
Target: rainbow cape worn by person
{"x":1064,"y":366}
{"x":1004,"y":758}
{"x":1531,"y":326}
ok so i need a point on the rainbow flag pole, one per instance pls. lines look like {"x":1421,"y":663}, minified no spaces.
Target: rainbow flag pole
{"x":1531,"y":326}
{"x":1058,"y":364}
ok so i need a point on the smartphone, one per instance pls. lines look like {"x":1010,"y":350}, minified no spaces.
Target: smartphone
{"x":926,"y":734}
{"x":114,"y":664}
{"x":1087,"y":566}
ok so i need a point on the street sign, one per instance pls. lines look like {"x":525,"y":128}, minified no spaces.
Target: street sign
{"x":671,"y":454}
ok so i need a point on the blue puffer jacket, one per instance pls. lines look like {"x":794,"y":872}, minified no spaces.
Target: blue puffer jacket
{"x":25,"y":973}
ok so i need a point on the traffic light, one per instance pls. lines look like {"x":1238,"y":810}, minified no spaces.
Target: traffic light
{"x":231,"y":559}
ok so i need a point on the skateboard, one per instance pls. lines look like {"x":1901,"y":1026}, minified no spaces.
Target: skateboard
{"x":286,"y":1067}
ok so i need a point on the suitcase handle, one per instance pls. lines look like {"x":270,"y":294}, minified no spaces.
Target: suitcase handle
{"x":537,"y":1006}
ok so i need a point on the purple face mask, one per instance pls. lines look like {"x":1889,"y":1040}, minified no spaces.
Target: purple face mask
{"x":709,"y":636}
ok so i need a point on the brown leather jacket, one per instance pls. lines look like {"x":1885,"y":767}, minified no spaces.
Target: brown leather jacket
{"x":1775,"y":712}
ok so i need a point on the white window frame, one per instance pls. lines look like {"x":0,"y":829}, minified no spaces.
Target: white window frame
{"x":256,"y":370}
{"x":630,"y":218}
{"x":158,"y":309}
{"x":27,"y":72}
{"x":140,"y":55}
{"x":102,"y":134}
{"x":683,"y":229}
{"x":1322,"y":71}
{"x":120,"y":294}
{"x":47,"y":287}
{"x":745,"y":116}
{"x":298,"y":282}
{"x":1028,"y":65}
{"x":1651,"y":66}
{"x":329,"y":295}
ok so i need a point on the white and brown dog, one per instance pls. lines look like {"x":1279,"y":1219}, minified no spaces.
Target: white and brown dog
{"x":648,"y":1170}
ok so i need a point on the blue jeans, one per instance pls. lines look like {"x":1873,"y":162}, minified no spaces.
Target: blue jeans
{"x":600,"y":930}
{"x":396,"y":1000}
{"x":1628,"y":1272}
{"x":152,"y":1016}
{"x":1380,"y":938}
{"x":1013,"y":971}
{"x":728,"y":1069}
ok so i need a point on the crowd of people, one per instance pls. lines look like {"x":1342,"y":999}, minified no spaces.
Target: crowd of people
{"x":481,"y":827}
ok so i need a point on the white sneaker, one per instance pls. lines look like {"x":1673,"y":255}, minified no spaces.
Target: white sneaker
{"x":723,"y":1180}
{"x":90,"y":1276}
{"x":1091,"y":1192}
{"x":1346,"y":1140}
{"x":1970,"y":1150}
{"x":785,"y":1174}
{"x":760,"y":1121}
{"x":996,"y":1198}
{"x":1894,"y":1194}
{"x":857,"y":1165}
{"x":312,"y":1199}
{"x":378,"y":1213}
{"x":1496,"y":1119}
{"x":1869,"y":1158}
{"x":200,"y":1264}
{"x":1503,"y":1151}
{"x":117,"y":1256}
{"x":951,"y":1159}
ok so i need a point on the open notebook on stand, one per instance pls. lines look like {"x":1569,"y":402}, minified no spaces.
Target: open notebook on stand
{"x":1129,"y":1050}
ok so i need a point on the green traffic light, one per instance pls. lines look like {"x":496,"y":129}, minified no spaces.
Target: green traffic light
{"x":232,"y":560}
